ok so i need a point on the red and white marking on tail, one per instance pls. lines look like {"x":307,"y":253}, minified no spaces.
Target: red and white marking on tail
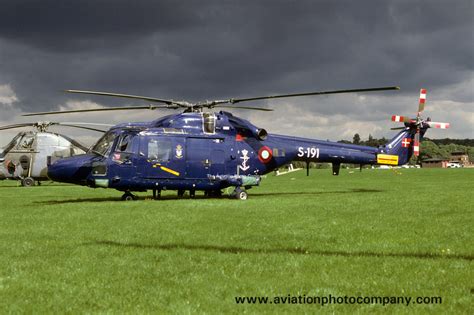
{"x":416,"y":148}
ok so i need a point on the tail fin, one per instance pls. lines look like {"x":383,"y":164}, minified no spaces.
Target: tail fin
{"x":399,"y":149}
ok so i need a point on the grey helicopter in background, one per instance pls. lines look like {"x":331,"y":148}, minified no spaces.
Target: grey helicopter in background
{"x":27,"y":156}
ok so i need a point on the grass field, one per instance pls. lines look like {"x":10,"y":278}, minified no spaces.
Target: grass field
{"x":376,"y":233}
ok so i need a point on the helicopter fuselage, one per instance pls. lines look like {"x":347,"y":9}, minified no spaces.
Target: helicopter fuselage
{"x":197,"y":151}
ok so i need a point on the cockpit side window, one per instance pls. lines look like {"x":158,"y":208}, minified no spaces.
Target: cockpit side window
{"x":125,"y":143}
{"x":104,"y":144}
{"x":26,"y":142}
{"x":125,"y":146}
{"x":159,"y":149}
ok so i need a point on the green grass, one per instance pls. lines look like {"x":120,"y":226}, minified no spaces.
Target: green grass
{"x":376,"y":233}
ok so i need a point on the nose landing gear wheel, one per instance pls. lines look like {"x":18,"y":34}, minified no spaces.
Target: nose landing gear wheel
{"x":240,"y":194}
{"x":129,"y":197}
{"x":27,"y":182}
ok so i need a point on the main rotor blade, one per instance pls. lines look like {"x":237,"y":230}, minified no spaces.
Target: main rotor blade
{"x":238,"y":100}
{"x":146,"y":98}
{"x":80,"y":127}
{"x":151,"y":107}
{"x":246,"y":107}
{"x":17,"y":126}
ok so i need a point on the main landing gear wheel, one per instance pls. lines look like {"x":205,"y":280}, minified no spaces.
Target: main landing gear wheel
{"x":128,"y":196}
{"x":240,"y":194}
{"x":27,"y":182}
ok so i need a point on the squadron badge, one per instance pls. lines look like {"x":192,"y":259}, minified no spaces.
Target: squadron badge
{"x":179,"y":151}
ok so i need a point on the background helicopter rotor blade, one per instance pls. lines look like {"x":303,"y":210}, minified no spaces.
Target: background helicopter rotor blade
{"x":17,"y":126}
{"x":398,"y":128}
{"x":151,"y":107}
{"x":238,"y":100}
{"x":80,"y":127}
{"x":43,"y":125}
{"x":85,"y":123}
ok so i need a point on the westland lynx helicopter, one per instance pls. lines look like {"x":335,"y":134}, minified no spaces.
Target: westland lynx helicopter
{"x":29,"y":153}
{"x":210,"y":151}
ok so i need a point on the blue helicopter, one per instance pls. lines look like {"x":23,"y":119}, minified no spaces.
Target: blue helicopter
{"x":210,"y":151}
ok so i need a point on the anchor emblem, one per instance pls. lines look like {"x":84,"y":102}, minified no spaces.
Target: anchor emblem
{"x":244,"y":159}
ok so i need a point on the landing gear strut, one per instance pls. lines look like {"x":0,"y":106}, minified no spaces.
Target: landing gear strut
{"x":213,"y":193}
{"x":156,"y":194}
{"x":128,"y":196}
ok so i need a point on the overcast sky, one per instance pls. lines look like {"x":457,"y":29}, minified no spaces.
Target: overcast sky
{"x":203,"y":50}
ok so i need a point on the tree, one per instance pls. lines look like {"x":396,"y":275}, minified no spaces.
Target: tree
{"x":356,"y":139}
{"x":372,"y":142}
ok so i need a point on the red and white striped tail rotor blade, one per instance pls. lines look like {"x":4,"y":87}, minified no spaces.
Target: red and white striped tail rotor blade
{"x":421,"y":104}
{"x":416,"y":143}
{"x":439,"y":125}
{"x":400,"y":118}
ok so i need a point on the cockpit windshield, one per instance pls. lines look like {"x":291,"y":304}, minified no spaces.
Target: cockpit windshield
{"x":104,"y":144}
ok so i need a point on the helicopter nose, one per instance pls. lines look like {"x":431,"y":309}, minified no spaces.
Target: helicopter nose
{"x":70,"y":170}
{"x":60,"y":171}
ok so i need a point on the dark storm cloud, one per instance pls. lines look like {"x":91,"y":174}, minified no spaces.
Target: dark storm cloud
{"x":216,"y":49}
{"x":71,"y":25}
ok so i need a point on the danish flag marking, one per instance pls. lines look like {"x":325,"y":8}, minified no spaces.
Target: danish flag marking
{"x":406,"y":142}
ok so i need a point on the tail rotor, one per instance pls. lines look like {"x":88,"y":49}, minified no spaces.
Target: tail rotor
{"x":418,"y":125}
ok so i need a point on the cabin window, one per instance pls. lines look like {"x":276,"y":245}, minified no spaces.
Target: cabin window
{"x":209,"y":120}
{"x":159,"y":150}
